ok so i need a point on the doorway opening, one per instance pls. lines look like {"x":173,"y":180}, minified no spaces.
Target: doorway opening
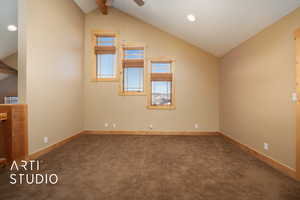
{"x":8,"y":65}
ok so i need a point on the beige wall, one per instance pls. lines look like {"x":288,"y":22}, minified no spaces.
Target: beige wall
{"x":54,"y":30}
{"x":12,"y":60}
{"x":197,"y":76}
{"x":256,"y":84}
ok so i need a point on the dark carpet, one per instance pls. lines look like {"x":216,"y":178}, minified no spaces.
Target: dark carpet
{"x":154,"y":168}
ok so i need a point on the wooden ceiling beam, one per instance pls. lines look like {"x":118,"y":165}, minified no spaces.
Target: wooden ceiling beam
{"x":5,"y":69}
{"x":102,"y":6}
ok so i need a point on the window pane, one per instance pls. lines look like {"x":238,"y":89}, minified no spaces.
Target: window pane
{"x":10,"y":100}
{"x":105,"y":41}
{"x":161,"y":93}
{"x":134,"y":54}
{"x":161,"y":68}
{"x":106,"y":65}
{"x":134,"y":79}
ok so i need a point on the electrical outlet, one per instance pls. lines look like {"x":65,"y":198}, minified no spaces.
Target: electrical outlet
{"x":266,"y":146}
{"x":196,"y":126}
{"x":150,"y":126}
{"x":106,"y":125}
{"x":114,"y":125}
{"x":46,"y":140}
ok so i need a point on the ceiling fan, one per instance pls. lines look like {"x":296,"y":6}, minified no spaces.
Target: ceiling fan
{"x":103,"y":4}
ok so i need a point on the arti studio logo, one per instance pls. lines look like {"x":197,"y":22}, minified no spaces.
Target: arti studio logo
{"x":24,"y":174}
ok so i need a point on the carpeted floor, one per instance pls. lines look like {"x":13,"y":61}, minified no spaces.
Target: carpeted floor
{"x":154,"y":168}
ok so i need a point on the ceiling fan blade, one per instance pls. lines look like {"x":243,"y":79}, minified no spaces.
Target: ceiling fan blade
{"x":139,"y":2}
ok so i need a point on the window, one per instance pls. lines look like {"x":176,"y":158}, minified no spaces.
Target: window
{"x":106,"y":66}
{"x":105,"y":57}
{"x":133,"y":70}
{"x":162,"y":87}
{"x":11,"y":100}
{"x":161,"y":93}
{"x":133,"y":80}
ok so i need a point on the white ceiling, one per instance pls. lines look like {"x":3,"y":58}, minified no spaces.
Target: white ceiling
{"x":220,"y":26}
{"x":8,"y":40}
{"x":86,"y":5}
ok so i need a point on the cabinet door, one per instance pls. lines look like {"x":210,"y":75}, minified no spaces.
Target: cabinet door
{"x":19,"y":132}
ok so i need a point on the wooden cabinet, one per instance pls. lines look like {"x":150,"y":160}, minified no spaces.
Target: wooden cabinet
{"x":13,"y":132}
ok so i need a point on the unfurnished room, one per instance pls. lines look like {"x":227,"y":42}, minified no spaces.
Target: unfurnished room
{"x":150,"y":100}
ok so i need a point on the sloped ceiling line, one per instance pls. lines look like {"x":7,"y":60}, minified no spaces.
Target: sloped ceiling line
{"x":4,"y":68}
{"x":221,"y":25}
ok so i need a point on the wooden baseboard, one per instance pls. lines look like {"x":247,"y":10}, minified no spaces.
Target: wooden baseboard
{"x":39,"y":153}
{"x":56,"y":145}
{"x":190,"y":133}
{"x":271,"y":162}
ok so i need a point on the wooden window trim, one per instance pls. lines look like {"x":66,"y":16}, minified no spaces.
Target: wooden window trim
{"x":149,"y":84}
{"x":297,"y":40}
{"x":94,"y":36}
{"x":132,"y":46}
{"x":297,"y":33}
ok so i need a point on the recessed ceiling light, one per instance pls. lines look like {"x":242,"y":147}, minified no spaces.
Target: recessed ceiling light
{"x":12,"y":28}
{"x":191,"y":17}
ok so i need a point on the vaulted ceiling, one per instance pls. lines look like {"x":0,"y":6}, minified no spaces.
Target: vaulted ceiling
{"x":8,"y":16}
{"x":221,"y":25}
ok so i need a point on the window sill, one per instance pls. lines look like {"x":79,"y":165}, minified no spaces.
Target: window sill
{"x":132,"y":94}
{"x":172,"y":107}
{"x":105,"y":80}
